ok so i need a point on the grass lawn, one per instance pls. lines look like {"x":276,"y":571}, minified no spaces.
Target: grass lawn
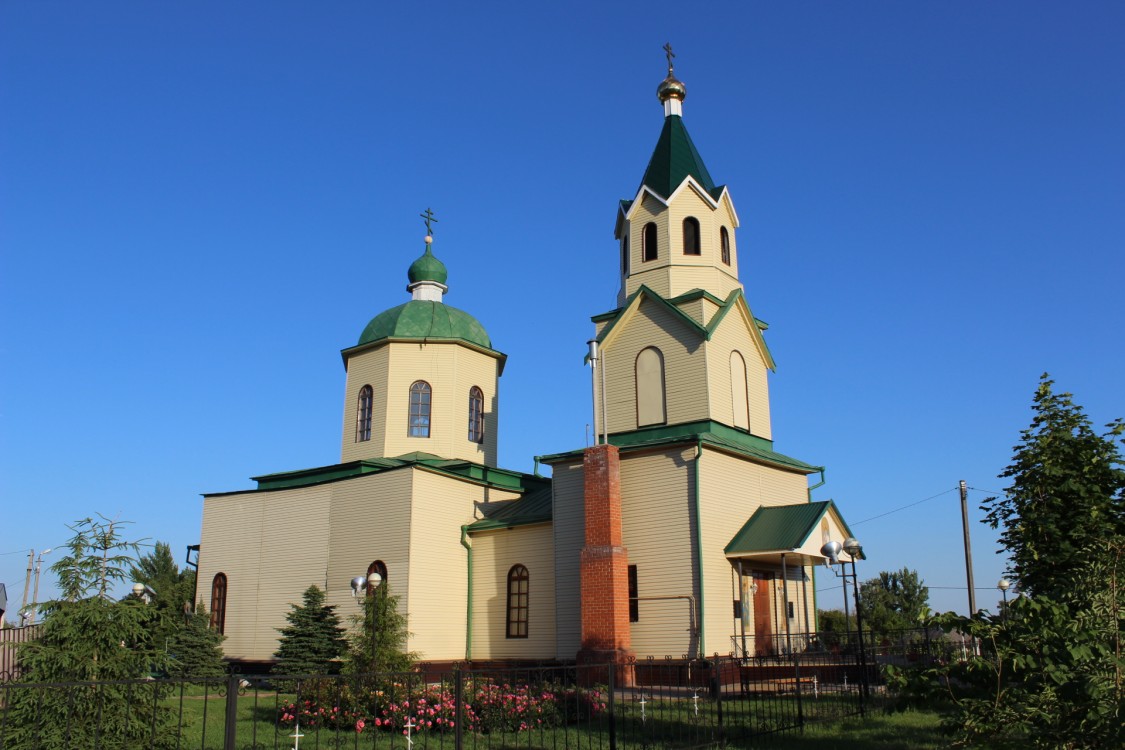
{"x":912,"y":730}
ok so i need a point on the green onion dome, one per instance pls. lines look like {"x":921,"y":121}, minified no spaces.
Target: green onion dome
{"x":423,"y":319}
{"x":427,"y":268}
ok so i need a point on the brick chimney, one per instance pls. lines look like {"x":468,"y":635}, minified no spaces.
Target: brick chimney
{"x":604,"y":565}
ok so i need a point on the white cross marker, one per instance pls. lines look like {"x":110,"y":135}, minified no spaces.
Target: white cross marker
{"x":297,"y":736}
{"x":643,"y":702}
{"x":409,"y":725}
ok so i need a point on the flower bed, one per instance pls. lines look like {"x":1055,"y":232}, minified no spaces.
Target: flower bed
{"x":488,"y":707}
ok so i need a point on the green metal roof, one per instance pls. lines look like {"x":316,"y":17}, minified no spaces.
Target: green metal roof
{"x":674,"y":158}
{"x":713,"y":434}
{"x":706,"y":331}
{"x":492,"y":476}
{"x":427,"y":268}
{"x":423,"y":319}
{"x":778,"y":527}
{"x":534,"y":507}
{"x":781,"y":527}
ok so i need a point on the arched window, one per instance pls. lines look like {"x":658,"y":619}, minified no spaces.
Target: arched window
{"x":363,"y":414}
{"x":625,"y":254}
{"x":381,"y":569}
{"x":648,"y":242}
{"x":740,"y":402}
{"x":420,"y":409}
{"x":219,"y":602}
{"x":517,"y":602}
{"x":724,"y":245}
{"x":650,"y":387}
{"x":691,"y":236}
{"x":476,"y":415}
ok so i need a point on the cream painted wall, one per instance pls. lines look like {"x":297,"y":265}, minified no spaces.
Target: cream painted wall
{"x":494,"y":554}
{"x":568,"y":532}
{"x":274,"y":545}
{"x":451,"y":370}
{"x":684,"y":367}
{"x":657,"y":530}
{"x":731,"y":489}
{"x":732,"y":334}
{"x":438,"y":574}
{"x":674,"y":273}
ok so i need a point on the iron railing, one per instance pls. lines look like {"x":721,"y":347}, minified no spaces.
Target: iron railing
{"x":647,"y":703}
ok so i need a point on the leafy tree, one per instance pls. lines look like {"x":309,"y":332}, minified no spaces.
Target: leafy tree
{"x":1067,"y":494}
{"x":377,"y":640}
{"x":895,"y":600}
{"x":1049,"y":673}
{"x":90,"y":636}
{"x":313,"y":641}
{"x":195,"y":648}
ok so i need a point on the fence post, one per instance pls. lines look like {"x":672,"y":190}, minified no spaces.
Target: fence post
{"x":800,"y":703}
{"x":458,"y":714}
{"x":612,"y":710}
{"x":232,"y":712}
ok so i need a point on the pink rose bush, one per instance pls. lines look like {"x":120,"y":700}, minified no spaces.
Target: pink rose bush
{"x":488,"y":707}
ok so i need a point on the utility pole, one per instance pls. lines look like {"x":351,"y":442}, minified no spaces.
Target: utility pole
{"x":27,"y":585}
{"x":968,"y":548}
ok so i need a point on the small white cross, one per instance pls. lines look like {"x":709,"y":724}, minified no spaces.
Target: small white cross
{"x":297,"y":736}
{"x":409,"y":725}
{"x":695,"y":701}
{"x":643,"y":702}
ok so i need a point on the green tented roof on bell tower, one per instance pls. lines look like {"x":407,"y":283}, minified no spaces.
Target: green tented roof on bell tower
{"x":674,"y":159}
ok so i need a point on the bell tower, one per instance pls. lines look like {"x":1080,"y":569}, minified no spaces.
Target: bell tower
{"x":677,"y":234}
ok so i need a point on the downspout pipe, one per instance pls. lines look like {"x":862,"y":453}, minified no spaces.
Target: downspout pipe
{"x":818,"y":484}
{"x":699,"y":545}
{"x":469,"y":599}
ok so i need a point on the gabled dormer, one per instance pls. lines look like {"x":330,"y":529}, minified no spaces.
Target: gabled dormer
{"x":677,"y":234}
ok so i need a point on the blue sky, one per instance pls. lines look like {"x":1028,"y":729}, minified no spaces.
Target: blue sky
{"x":202,"y":203}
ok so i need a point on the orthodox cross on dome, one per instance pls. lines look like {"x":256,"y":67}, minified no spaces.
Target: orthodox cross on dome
{"x":669,"y":54}
{"x":428,"y":217}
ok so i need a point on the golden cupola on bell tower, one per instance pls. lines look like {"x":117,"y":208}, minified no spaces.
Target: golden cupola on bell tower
{"x":677,"y":234}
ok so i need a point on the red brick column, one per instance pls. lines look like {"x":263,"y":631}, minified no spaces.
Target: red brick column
{"x":604,"y":564}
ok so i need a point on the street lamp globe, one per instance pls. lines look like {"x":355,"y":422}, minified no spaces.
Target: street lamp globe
{"x":1004,"y":584}
{"x":853,"y":547}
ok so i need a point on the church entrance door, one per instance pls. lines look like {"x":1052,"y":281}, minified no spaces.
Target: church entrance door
{"x":763,"y":617}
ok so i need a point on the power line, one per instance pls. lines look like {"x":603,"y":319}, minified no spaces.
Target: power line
{"x":911,"y":505}
{"x":987,"y":492}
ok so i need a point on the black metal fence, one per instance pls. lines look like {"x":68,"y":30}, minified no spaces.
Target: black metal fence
{"x":646,"y":704}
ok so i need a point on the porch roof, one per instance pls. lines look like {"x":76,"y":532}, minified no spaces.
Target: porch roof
{"x":773,"y":530}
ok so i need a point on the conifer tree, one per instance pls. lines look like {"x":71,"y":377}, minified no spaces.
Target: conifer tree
{"x":313,"y":641}
{"x":378,"y":637}
{"x":90,"y":636}
{"x":195,"y":648}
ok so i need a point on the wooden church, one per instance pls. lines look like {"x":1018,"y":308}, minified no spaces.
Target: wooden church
{"x":681,"y":532}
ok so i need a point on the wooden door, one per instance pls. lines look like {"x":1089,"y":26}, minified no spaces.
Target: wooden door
{"x":763,"y":616}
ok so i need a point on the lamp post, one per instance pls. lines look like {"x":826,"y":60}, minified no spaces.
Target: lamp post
{"x":1004,"y":584}
{"x":854,"y":550}
{"x":370,"y":583}
{"x":831,"y":550}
